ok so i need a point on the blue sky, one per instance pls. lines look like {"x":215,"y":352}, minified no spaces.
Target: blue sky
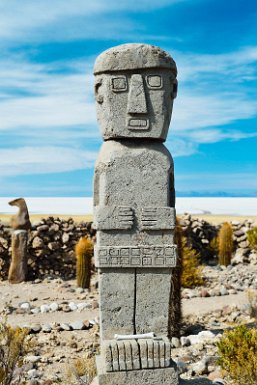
{"x":49,"y":136}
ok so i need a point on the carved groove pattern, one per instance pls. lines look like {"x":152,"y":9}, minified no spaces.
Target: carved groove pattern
{"x":141,"y":256}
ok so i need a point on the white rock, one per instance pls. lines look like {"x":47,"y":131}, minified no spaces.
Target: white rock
{"x":185,"y":341}
{"x":77,"y":325}
{"x":44,"y":308}
{"x":81,"y":306}
{"x":32,"y":359}
{"x":46,"y":328}
{"x":199,"y":367}
{"x":65,"y":326}
{"x":33,"y":373}
{"x":25,"y":305}
{"x":54,"y":306}
{"x":73,"y":306}
{"x":35,"y":311}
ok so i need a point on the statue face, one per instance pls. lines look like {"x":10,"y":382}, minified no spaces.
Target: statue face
{"x":135,"y":104}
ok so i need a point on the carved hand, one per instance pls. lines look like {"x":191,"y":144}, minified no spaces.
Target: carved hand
{"x":158,"y":218}
{"x":113,"y":218}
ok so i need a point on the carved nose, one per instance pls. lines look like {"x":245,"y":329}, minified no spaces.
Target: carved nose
{"x":136,"y":97}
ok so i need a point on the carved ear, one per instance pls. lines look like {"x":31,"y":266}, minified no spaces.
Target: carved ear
{"x":98,"y":96}
{"x":175,"y":88}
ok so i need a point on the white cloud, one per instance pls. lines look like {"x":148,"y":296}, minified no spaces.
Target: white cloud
{"x":194,"y":109}
{"x":44,"y":160}
{"x":43,"y":19}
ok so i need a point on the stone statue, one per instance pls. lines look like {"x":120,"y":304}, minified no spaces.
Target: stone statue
{"x":134,"y":212}
{"x":20,"y":224}
{"x":21,"y":220}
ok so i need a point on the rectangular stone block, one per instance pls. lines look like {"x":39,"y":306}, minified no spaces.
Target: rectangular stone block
{"x":117,"y":292}
{"x":163,"y":376}
{"x":152,"y":301}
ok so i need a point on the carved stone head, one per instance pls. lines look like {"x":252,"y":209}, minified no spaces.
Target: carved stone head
{"x":135,"y":85}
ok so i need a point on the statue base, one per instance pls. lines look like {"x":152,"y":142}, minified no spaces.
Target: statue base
{"x":159,"y":376}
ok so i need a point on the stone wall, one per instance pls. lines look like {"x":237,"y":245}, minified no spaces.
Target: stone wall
{"x":201,"y":233}
{"x":52,"y":242}
{"x":51,"y":247}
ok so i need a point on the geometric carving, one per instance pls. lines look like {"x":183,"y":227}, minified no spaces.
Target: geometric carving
{"x":142,"y":256}
{"x":136,"y":354}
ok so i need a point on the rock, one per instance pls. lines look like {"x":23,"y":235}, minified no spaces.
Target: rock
{"x":204,"y":293}
{"x":25,"y":306}
{"x":65,"y":326}
{"x":37,"y":243}
{"x":95,"y":304}
{"x":35,"y":328}
{"x":65,"y":238}
{"x":81,"y":306}
{"x":175,"y":342}
{"x":80,"y":290}
{"x":72,"y":306}
{"x":199,"y":367}
{"x":33,"y":373}
{"x":44,"y":308}
{"x":32,"y":359}
{"x":223,"y":291}
{"x":185,"y":341}
{"x":54,"y":306}
{"x":182,"y":366}
{"x":77,"y":325}
{"x":46,"y":328}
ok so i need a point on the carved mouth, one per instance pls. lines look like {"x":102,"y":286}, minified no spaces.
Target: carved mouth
{"x":138,"y":124}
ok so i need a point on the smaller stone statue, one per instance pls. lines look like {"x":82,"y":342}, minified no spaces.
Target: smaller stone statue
{"x":20,"y":224}
{"x":20,"y":221}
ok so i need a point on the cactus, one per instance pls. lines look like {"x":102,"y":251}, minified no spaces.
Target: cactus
{"x":84,"y":253}
{"x":225,"y":240}
{"x":175,"y":293}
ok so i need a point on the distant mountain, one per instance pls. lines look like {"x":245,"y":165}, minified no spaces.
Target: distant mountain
{"x":216,"y":194}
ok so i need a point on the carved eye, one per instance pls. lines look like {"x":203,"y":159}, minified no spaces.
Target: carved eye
{"x":154,"y":81}
{"x":119,"y":84}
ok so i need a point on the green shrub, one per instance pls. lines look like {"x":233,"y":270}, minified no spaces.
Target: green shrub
{"x":84,"y":253}
{"x":252,"y":238}
{"x":238,"y":355}
{"x":13,"y":348}
{"x":225,"y":241}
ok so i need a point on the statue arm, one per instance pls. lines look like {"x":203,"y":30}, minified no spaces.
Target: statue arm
{"x":158,"y":218}
{"x":113,"y":217}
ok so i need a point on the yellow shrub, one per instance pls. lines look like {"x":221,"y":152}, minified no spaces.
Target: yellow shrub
{"x":82,"y":367}
{"x":191,"y":270}
{"x":238,"y":355}
{"x":252,"y":238}
{"x":13,"y":348}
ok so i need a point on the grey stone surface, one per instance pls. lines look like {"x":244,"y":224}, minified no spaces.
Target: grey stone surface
{"x":134,"y":212}
{"x":164,"y":376}
{"x":136,"y":354}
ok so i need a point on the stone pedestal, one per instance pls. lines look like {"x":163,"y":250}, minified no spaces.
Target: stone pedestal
{"x":18,"y":268}
{"x":149,"y":376}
